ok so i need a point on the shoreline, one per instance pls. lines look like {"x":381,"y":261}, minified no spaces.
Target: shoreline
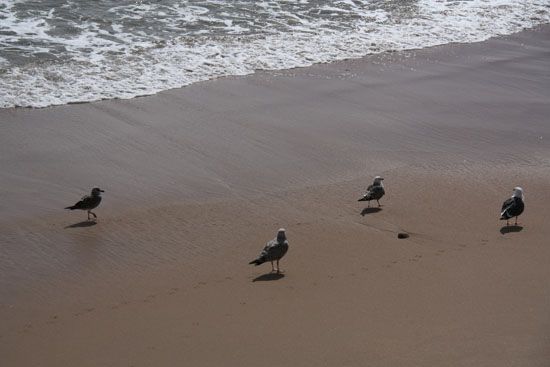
{"x":276,"y":71}
{"x":198,"y":179}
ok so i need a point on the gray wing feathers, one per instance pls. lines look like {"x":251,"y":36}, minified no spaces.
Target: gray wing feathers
{"x":374,"y":192}
{"x":507,"y":205}
{"x":274,"y":250}
{"x":87,"y":203}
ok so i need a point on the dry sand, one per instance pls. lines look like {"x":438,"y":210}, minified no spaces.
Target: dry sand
{"x":198,"y":179}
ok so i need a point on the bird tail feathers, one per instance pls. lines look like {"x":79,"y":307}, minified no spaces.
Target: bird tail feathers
{"x":257,"y":261}
{"x":71,"y":207}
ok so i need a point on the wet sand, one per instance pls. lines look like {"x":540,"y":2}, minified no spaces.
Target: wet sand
{"x":198,"y":179}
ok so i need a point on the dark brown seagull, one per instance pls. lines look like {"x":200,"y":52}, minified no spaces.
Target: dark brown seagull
{"x":89,"y":202}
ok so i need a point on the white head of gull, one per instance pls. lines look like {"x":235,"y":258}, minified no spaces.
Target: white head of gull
{"x":378,"y":181}
{"x":518,"y":193}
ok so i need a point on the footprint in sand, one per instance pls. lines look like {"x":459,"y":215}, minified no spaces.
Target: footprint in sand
{"x":416,"y":258}
{"x":118,"y":305}
{"x":199,"y":284}
{"x":87,"y":310}
{"x":149,"y":298}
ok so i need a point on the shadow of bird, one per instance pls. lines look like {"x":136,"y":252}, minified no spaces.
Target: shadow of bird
{"x":86,"y":223}
{"x":510,"y":229}
{"x":268,"y":277}
{"x":370,"y":210}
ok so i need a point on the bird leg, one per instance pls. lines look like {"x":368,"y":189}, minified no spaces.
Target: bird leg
{"x":378,"y":203}
{"x":507,"y":222}
{"x":516,"y":221}
{"x":272,"y":268}
{"x":92,"y":213}
{"x":278,"y":269}
{"x":368,"y":204}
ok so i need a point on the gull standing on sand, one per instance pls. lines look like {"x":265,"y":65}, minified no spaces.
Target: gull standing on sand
{"x":374,"y":191}
{"x":273,"y":251}
{"x":89,"y":202}
{"x":513,"y":207}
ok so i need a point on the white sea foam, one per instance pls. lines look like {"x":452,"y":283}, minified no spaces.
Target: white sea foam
{"x":115,"y":61}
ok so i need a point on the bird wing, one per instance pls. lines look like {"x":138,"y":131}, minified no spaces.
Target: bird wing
{"x":378,"y":190}
{"x":268,"y":248}
{"x":274,"y":250}
{"x":507,"y":205}
{"x":374,"y":192}
{"x":368,"y":193}
{"x":88,"y":202}
{"x":83,"y":202}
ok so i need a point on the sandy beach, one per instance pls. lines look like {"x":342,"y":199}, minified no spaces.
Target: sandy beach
{"x":198,"y":179}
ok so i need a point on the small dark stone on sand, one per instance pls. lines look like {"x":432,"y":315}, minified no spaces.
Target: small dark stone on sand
{"x":402,"y":235}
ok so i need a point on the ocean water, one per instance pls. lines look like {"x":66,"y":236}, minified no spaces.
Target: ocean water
{"x":61,"y":51}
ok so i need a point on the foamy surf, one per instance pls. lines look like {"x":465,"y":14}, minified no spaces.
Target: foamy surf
{"x":75,"y":51}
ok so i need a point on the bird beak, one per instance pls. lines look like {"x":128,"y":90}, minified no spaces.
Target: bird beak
{"x":101,"y":190}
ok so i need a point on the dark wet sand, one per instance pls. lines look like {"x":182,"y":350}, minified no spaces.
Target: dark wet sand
{"x":198,"y":179}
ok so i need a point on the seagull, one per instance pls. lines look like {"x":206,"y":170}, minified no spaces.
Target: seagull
{"x":274,"y":250}
{"x":374,"y":191}
{"x":513,"y":206}
{"x":89,"y":202}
